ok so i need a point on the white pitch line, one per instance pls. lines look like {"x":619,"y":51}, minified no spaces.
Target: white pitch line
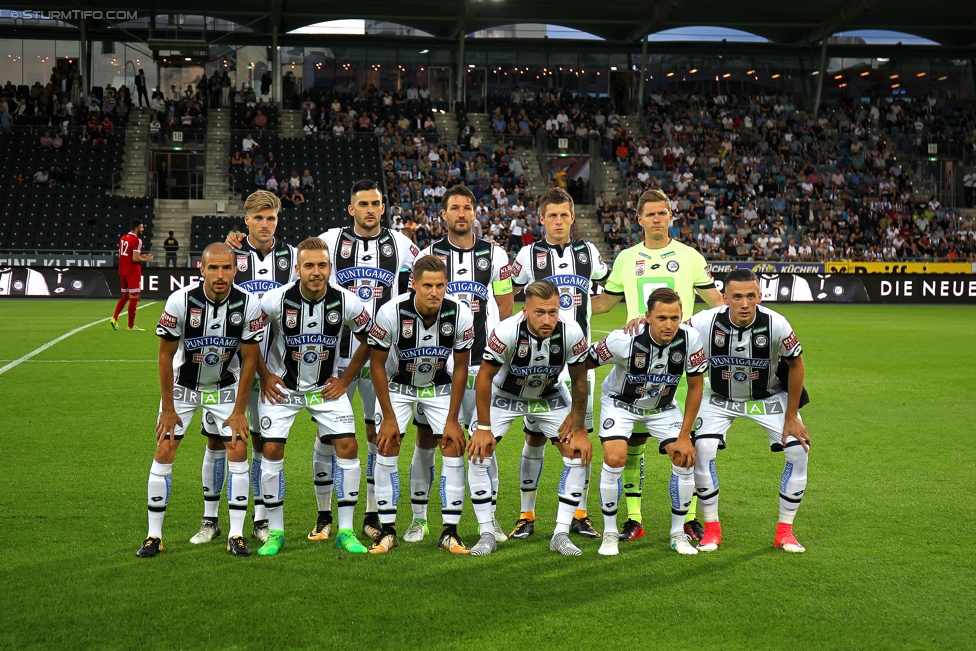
{"x":88,"y":361}
{"x":41,"y":349}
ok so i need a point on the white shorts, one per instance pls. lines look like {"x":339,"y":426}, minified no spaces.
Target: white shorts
{"x":217,"y":407}
{"x":435,"y":400}
{"x":469,"y":411}
{"x":334,"y":418}
{"x":530,"y":424}
{"x":619,"y":419}
{"x":716,"y":415}
{"x":547,"y":413}
{"x":366,"y":393}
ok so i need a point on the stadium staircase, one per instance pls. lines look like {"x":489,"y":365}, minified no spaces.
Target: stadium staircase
{"x":134,"y":171}
{"x":215,"y":186}
{"x":447,"y":126}
{"x":290,"y":124}
{"x":590,"y":230}
{"x":613,"y":181}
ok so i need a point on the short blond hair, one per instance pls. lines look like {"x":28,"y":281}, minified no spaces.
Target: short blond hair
{"x":652,"y":196}
{"x":262,"y":200}
{"x":541,"y":289}
{"x":314,"y":244}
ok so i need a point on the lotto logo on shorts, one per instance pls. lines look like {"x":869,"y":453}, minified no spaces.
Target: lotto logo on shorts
{"x":362,"y":319}
{"x":790,"y":342}
{"x":496,"y":344}
{"x":167,"y":320}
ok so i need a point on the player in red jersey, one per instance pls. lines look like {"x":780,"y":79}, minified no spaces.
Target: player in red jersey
{"x":130,"y":273}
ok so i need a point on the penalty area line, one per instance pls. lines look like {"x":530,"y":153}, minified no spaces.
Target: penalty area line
{"x":41,"y":349}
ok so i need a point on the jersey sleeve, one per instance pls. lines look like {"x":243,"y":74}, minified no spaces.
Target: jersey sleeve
{"x":408,"y":250}
{"x":500,"y":346}
{"x":170,"y":326}
{"x":293,"y":275}
{"x":785,"y":342}
{"x":612,"y":349}
{"x":615,"y":281}
{"x":580,"y":346}
{"x":697,"y":361}
{"x":703,"y":277}
{"x":600,"y":270}
{"x":522,"y":265}
{"x":356,"y":317}
{"x":384,"y":327}
{"x":254,"y":331}
{"x":501,"y":272}
{"x":464,"y":334}
{"x":138,"y":247}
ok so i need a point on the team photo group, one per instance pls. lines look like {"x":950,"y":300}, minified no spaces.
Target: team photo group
{"x":433,"y":338}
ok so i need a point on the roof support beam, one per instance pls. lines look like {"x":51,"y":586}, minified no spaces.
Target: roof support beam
{"x":847,"y":14}
{"x":654,"y":16}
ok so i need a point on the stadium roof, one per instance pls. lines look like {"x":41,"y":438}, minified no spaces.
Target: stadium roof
{"x":951,"y":23}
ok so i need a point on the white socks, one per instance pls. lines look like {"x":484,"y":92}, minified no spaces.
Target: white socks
{"x":681,"y":488}
{"x":479,"y":485}
{"x":794,"y":482}
{"x":421,"y":477}
{"x":273,"y":487}
{"x":214,"y":467}
{"x":706,"y":479}
{"x":160,"y":486}
{"x":323,"y":458}
{"x":452,"y":489}
{"x":370,"y":479}
{"x":237,"y":490}
{"x":611,"y":486}
{"x":387,"y":488}
{"x":260,"y":513}
{"x":348,"y":473}
{"x":530,"y":469}
{"x":570,"y":491}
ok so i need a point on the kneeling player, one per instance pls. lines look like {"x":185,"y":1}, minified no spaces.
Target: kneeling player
{"x":520,"y":376}
{"x":201,"y":331}
{"x":306,"y":318}
{"x":755,"y":372}
{"x":640,"y":389}
{"x":430,"y":338}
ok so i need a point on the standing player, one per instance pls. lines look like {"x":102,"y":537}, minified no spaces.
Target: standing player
{"x":520,"y":375}
{"x":640,"y":388}
{"x":131,"y":258}
{"x":306,"y":319}
{"x":478,"y":275}
{"x":658,"y":261}
{"x":202,"y":330}
{"x":755,"y":372}
{"x":430,"y":337}
{"x":573,"y":266}
{"x":374,"y":263}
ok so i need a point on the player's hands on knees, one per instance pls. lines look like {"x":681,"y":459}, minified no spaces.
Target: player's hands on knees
{"x":632,"y":327}
{"x":565,"y":431}
{"x":481,"y":446}
{"x":234,"y":240}
{"x":334,"y":388}
{"x":682,"y":453}
{"x":166,"y":426}
{"x":273,"y":389}
{"x":454,"y":434}
{"x":795,"y":428}
{"x":387,"y":435}
{"x":580,"y":446}
{"x":237,"y":424}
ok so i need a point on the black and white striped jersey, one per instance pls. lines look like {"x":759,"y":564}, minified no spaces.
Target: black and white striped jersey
{"x":305,"y":334}
{"x":421,"y":356}
{"x":210,"y":334}
{"x":646,"y":374}
{"x":475,"y":277}
{"x":572,"y":268}
{"x":530,"y":365}
{"x":258,"y":274}
{"x":21,"y":281}
{"x":743,"y":362}
{"x":376,"y":269}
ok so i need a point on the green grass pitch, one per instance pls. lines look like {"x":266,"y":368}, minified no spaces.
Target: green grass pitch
{"x":888,"y":518}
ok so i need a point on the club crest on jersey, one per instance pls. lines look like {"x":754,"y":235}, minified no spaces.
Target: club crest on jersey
{"x":639,"y":269}
{"x":346,"y":250}
{"x":282,"y":263}
{"x":407,"y":328}
{"x":447,"y":329}
{"x":582,"y":257}
{"x":196,"y":316}
{"x":242,"y":263}
{"x":677,"y":357}
{"x":761,"y":341}
{"x":640,"y":360}
{"x":387,"y":250}
{"x":523,"y":348}
{"x":554,"y":349}
{"x":672,"y":266}
{"x":719,"y":338}
{"x":540,"y":260}
{"x":291,"y":318}
{"x":482,"y":263}
{"x":332,"y":317}
{"x":236,"y":318}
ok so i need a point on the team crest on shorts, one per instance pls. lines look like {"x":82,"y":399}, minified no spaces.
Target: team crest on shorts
{"x":346,"y":250}
{"x":265,"y":422}
{"x":698,"y":423}
{"x":407,"y":328}
{"x":719,"y":338}
{"x":386,"y":250}
{"x":242,"y":263}
{"x":236,"y":318}
{"x":196,"y":316}
{"x":608,"y":423}
{"x":210,"y":418}
{"x":523,"y":348}
{"x":332,"y":317}
{"x":291,"y":318}
{"x":540,"y":260}
{"x":761,"y":341}
{"x":482,"y":264}
{"x":639,"y":269}
{"x":640,"y":360}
